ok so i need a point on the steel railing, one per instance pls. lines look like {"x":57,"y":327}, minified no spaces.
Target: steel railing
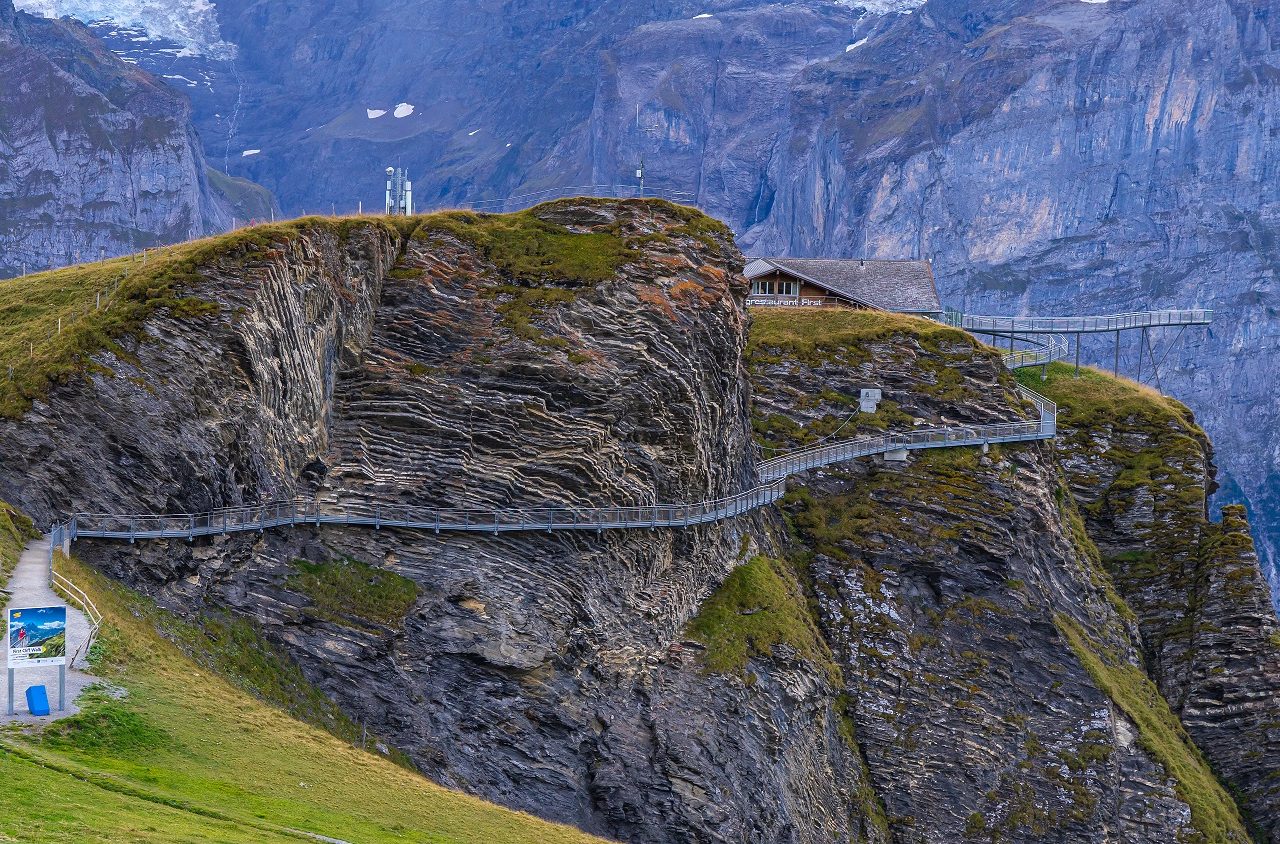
{"x":1077,"y":325}
{"x":772,"y":474}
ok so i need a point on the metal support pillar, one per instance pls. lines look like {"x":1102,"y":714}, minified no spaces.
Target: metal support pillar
{"x":1142,"y":344}
{"x":1116,"y":370}
{"x":1077,"y":355}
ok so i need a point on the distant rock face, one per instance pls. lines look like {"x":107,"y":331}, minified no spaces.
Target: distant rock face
{"x":99,"y":158}
{"x":1063,"y":158}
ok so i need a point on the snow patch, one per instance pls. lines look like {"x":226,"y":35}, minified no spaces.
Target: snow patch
{"x":703,"y":15}
{"x":403,"y":110}
{"x":855,"y":45}
{"x":193,"y":24}
{"x":471,"y":134}
{"x":190,"y":84}
{"x":1099,"y":2}
{"x":375,"y":113}
{"x":249,"y":152}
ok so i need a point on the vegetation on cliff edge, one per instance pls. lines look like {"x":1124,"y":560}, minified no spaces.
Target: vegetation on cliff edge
{"x":760,"y":606}
{"x":343,"y":591}
{"x":132,"y":290}
{"x":1214,"y":814}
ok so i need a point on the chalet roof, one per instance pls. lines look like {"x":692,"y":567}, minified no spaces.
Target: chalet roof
{"x":902,"y":286}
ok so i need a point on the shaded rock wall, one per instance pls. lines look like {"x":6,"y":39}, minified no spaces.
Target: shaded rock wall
{"x":1142,"y":474}
{"x":214,"y":410}
{"x":544,"y":672}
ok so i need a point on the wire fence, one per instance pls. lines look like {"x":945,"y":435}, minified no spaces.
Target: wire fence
{"x":97,"y":301}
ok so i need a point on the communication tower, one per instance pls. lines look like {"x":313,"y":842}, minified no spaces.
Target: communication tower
{"x":399,"y":192}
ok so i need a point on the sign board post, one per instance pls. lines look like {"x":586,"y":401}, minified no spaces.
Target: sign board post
{"x":37,"y":637}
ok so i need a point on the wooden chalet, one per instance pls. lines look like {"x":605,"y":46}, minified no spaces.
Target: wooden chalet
{"x":905,"y":287}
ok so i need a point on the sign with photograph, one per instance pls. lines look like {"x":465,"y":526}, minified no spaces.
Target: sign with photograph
{"x":37,"y":636}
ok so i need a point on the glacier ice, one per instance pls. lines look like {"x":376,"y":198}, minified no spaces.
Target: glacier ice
{"x":191,"y":23}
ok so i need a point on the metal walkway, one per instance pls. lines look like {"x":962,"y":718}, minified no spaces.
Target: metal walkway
{"x":1026,"y":329}
{"x":772,"y":476}
{"x":1005,"y":326}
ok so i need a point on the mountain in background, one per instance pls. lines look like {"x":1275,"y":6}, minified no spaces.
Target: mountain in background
{"x":1050,"y":156}
{"x":96,"y":156}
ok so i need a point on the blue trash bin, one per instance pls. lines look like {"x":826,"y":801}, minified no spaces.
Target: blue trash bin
{"x":38,"y":700}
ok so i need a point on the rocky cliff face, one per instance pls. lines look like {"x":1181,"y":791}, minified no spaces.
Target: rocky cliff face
{"x":99,"y":158}
{"x":1051,"y":156}
{"x":541,"y":671}
{"x":962,"y":598}
{"x":1142,"y":476}
{"x":1059,"y":158}
{"x":815,"y":672}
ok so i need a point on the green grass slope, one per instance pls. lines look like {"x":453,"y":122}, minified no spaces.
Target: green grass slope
{"x":186,"y":755}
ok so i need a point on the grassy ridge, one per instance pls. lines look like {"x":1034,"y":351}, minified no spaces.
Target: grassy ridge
{"x":132,"y":289}
{"x":526,"y":250}
{"x":187,"y":756}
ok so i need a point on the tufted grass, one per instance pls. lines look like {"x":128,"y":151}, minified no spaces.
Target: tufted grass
{"x":16,"y":530}
{"x":1098,"y":396}
{"x":188,"y":756}
{"x":1214,"y":815}
{"x":533,"y":250}
{"x":759,"y":606}
{"x":341,"y":589}
{"x":812,"y":335}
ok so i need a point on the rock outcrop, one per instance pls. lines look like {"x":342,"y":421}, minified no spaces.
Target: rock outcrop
{"x":1142,"y":471}
{"x":1050,"y":156}
{"x":927,"y":651}
{"x":964,"y":607}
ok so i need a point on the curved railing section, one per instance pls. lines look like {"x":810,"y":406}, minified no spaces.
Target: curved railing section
{"x":771,"y":473}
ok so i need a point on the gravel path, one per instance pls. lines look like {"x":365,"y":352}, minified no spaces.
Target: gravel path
{"x":29,"y":587}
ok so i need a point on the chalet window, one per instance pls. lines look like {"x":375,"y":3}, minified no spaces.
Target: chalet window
{"x":784,"y":287}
